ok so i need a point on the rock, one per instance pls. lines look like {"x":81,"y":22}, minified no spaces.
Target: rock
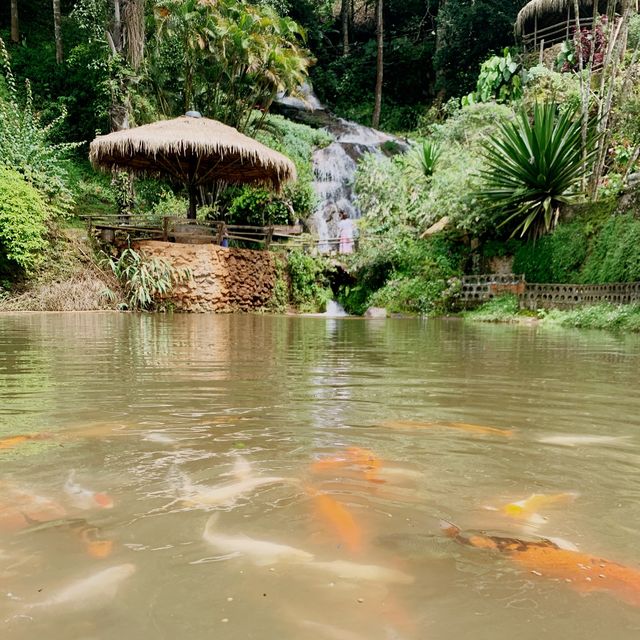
{"x":375,"y":312}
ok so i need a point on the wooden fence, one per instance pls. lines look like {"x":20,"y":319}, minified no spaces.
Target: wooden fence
{"x":478,"y":289}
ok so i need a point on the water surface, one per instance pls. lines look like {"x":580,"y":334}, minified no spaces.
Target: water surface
{"x":367,"y":425}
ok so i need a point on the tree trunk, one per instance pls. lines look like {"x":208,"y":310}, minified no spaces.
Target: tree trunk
{"x":56,"y":30}
{"x":377,"y":108}
{"x":15,"y":30}
{"x":344,"y":13}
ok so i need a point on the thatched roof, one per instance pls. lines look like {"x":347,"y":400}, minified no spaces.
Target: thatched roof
{"x":192,"y":150}
{"x":544,"y":7}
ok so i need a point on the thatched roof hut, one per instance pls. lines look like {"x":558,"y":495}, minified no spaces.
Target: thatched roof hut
{"x":193,"y":150}
{"x":547,"y":22}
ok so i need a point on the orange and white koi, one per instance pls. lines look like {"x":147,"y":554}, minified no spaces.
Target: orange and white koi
{"x":475,"y":429}
{"x":582,"y":572}
{"x":363,"y":461}
{"x":23,"y":508}
{"x":85,"y":499}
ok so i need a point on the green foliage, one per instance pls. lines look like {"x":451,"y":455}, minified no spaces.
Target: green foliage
{"x":532,"y":168}
{"x":615,"y":252}
{"x":427,"y":155}
{"x":600,"y":316}
{"x":633,"y":37}
{"x":501,"y":79}
{"x":544,"y":85}
{"x":26,"y":143}
{"x":147,"y":282}
{"x":309,"y":287}
{"x":228,"y":58}
{"x":557,"y":257}
{"x":503,"y":308}
{"x":257,"y":206}
{"x":23,"y":215}
{"x":280,"y":297}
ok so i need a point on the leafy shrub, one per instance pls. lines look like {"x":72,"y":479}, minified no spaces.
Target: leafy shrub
{"x":501,"y":309}
{"x":557,"y":257}
{"x":615,"y":252}
{"x":600,"y":316}
{"x":147,"y":282}
{"x":309,"y":286}
{"x":23,"y":215}
{"x":258,"y":206}
{"x":544,"y":85}
{"x":501,"y":79}
{"x":633,"y":38}
{"x":427,"y":156}
{"x":26,"y":145}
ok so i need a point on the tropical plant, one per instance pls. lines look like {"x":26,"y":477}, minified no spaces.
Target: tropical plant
{"x":501,"y":80}
{"x":229,"y":56}
{"x":427,"y":155}
{"x":533,"y":166}
{"x":309,"y":286}
{"x":147,"y":282}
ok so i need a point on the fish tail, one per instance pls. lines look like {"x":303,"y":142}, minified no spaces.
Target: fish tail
{"x":450,"y":530}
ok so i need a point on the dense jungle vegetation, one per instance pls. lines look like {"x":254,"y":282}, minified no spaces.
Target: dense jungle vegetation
{"x":516,"y":156}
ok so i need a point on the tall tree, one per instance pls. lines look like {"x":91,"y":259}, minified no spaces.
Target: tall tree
{"x":57,"y":18}
{"x":15,"y":30}
{"x":377,"y":108}
{"x":345,"y":15}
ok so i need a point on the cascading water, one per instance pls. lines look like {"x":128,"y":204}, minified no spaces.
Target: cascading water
{"x":335,"y":165}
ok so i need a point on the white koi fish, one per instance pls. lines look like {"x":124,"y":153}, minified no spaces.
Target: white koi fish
{"x":85,"y":498}
{"x":93,"y":592}
{"x":369,"y":572}
{"x":224,"y":495}
{"x":261,"y":552}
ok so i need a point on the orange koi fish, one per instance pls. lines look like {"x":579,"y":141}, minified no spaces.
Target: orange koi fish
{"x":363,"y":460}
{"x":580,"y":571}
{"x":13,"y":441}
{"x":340,"y":520}
{"x":460,"y":426}
{"x":24,"y":509}
{"x":85,"y":498}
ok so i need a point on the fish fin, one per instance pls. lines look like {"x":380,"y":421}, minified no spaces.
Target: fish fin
{"x":561,"y":543}
{"x":449,"y":529}
{"x":208,"y":528}
{"x":536,"y":518}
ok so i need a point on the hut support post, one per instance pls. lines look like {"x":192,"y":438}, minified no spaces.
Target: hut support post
{"x":193,"y":201}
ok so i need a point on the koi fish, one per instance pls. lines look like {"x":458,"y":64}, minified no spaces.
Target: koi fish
{"x":361,"y":572}
{"x":85,"y":499}
{"x":224,"y":495}
{"x":364,"y":461}
{"x":460,"y":426}
{"x":340,"y":520}
{"x":579,"y":440}
{"x":95,"y":591}
{"x":24,"y":508}
{"x":528,"y":508}
{"x":261,"y":552}
{"x":329,"y":631}
{"x":580,"y":571}
{"x":13,"y":441}
{"x":79,"y":528}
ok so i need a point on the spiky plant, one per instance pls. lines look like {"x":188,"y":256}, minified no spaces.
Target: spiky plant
{"x":427,"y":155}
{"x":533,"y":166}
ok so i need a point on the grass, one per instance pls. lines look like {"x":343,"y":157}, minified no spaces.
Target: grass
{"x":601,"y":316}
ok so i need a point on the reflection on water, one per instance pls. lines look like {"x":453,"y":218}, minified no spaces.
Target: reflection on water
{"x":263,"y":477}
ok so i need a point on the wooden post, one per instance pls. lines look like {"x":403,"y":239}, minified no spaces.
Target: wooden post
{"x":535,"y":32}
{"x":568,"y":19}
{"x":541,"y":49}
{"x":268,"y":237}
{"x":165,"y":229}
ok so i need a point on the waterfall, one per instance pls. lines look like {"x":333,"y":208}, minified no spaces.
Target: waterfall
{"x":334,"y":167}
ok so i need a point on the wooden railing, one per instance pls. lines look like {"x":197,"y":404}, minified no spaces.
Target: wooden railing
{"x":548,"y":36}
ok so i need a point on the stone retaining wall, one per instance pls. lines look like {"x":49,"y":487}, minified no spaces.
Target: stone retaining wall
{"x":222,"y":280}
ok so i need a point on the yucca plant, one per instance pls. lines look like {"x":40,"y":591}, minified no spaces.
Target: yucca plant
{"x":533,"y":166}
{"x":427,"y":155}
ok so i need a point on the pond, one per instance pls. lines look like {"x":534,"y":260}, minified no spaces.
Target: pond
{"x":238,"y":477}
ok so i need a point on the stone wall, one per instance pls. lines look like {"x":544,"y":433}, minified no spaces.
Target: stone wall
{"x":222,"y":280}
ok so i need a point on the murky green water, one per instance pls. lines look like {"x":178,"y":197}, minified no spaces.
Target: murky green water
{"x":371,"y":432}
